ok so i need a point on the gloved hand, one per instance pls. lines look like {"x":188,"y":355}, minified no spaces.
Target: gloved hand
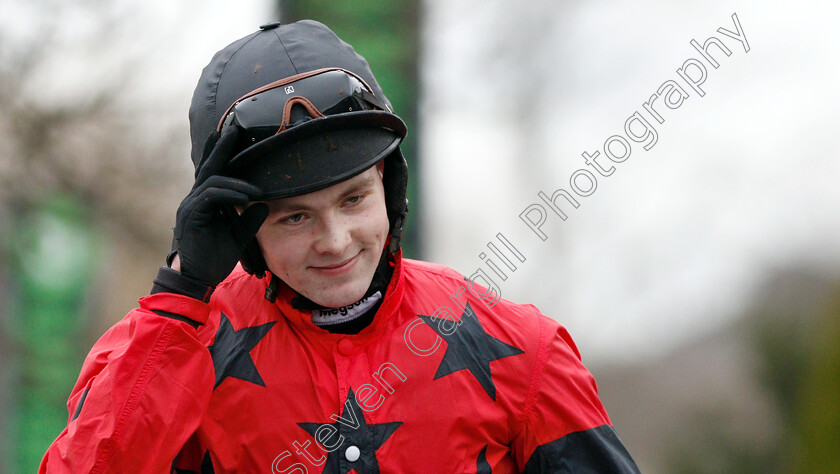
{"x":210,"y":234}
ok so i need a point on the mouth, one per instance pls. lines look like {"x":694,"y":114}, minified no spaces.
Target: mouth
{"x":337,"y":268}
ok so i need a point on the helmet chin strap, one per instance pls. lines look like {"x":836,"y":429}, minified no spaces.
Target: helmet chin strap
{"x":396,"y":230}
{"x":271,"y":290}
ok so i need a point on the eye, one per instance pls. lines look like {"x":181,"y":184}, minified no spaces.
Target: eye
{"x":354,"y":199}
{"x":292,"y":219}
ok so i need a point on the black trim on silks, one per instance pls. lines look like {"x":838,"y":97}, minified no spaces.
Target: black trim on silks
{"x":172,"y":281}
{"x":166,"y":314}
{"x":79,"y":406}
{"x":206,"y":466}
{"x":481,"y":464}
{"x":597,"y":451}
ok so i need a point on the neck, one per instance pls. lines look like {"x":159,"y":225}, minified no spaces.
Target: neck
{"x":333,"y":316}
{"x":354,"y":317}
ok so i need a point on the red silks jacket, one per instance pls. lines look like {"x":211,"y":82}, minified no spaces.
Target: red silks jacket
{"x":447,"y":378}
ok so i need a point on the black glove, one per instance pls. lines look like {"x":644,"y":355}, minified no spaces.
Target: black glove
{"x":210,"y":234}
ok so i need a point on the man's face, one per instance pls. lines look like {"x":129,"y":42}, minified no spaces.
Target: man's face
{"x":326,"y":244}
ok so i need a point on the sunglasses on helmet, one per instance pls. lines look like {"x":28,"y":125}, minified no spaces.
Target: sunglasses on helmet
{"x":288,"y":102}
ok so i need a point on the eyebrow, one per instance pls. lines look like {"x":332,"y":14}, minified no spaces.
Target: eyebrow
{"x":293,"y":203}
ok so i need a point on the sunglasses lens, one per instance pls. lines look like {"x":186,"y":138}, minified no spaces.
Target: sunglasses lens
{"x":331,"y":92}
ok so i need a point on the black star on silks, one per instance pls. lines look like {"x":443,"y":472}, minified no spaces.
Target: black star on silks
{"x":481,"y":464}
{"x":468,"y":346}
{"x":230,"y":351}
{"x":351,"y":429}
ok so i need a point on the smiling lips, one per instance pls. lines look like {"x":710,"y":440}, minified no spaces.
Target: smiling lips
{"x":339,"y":268}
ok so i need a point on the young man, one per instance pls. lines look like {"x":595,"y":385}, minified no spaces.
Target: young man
{"x":326,"y":351}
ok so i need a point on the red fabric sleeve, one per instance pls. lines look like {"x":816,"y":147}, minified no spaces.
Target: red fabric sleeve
{"x":562,"y":398}
{"x":142,"y":392}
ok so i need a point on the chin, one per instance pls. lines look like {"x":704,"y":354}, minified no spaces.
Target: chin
{"x":341,"y":294}
{"x":339,"y":300}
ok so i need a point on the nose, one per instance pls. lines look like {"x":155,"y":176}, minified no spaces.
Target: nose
{"x":333,"y":235}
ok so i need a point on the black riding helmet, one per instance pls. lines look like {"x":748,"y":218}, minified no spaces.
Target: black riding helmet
{"x":309,"y":114}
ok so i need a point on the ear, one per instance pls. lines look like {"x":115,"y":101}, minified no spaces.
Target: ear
{"x":380,"y":166}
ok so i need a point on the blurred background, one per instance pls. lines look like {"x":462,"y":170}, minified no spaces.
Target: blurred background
{"x":700,"y":279}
